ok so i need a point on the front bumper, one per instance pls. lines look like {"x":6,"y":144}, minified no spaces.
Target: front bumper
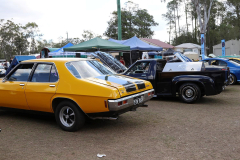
{"x":132,"y":100}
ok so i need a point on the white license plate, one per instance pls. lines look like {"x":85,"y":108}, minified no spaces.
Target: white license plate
{"x":138,"y":100}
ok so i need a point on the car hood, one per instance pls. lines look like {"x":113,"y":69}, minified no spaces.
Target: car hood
{"x":125,"y":85}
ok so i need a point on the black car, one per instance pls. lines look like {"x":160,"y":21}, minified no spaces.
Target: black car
{"x":189,"y":80}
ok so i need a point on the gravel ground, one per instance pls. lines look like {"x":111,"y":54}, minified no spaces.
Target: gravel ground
{"x":168,"y":129}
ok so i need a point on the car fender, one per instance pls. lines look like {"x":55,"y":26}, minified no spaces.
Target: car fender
{"x":63,"y":97}
{"x":198,"y":79}
{"x":235,"y":72}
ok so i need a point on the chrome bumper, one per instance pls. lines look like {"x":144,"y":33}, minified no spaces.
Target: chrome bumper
{"x":131,"y":101}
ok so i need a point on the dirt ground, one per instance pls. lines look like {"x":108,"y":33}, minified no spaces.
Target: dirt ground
{"x":168,"y":129}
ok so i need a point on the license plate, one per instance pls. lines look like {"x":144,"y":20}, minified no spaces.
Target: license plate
{"x":138,"y":100}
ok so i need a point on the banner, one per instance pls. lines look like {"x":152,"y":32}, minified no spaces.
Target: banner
{"x":223,"y":47}
{"x":202,"y":46}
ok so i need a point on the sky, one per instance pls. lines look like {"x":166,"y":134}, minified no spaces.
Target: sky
{"x":57,"y":17}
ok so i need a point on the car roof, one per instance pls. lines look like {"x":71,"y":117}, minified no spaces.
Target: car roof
{"x":225,"y":59}
{"x":151,"y":60}
{"x":58,"y":59}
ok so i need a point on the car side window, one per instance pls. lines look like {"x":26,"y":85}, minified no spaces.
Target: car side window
{"x":213,"y":62}
{"x":206,"y":63}
{"x":222,"y":63}
{"x":140,"y":67}
{"x":53,"y":74}
{"x":73,"y":70}
{"x":21,"y":73}
{"x":160,"y":65}
{"x":41,"y":73}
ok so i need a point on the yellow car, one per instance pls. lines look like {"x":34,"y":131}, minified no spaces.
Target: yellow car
{"x":73,"y":89}
{"x":234,"y":59}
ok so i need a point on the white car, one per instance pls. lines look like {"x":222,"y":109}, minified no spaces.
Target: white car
{"x":2,"y":71}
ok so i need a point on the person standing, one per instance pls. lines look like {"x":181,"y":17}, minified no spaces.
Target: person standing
{"x":122,"y":61}
{"x":11,"y":60}
{"x":5,"y":65}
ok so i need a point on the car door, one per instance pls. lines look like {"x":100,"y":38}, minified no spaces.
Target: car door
{"x":41,"y":87}
{"x":140,"y":70}
{"x":13,"y":86}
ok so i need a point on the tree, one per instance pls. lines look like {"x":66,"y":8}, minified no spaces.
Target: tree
{"x":234,"y":13}
{"x":169,"y":17}
{"x":135,"y":22}
{"x":87,"y":35}
{"x":9,"y":33}
{"x":205,"y":6}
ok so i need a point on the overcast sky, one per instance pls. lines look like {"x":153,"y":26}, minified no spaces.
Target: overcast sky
{"x":56,"y":17}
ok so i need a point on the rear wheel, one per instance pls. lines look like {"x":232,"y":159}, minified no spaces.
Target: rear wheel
{"x":189,"y":92}
{"x":69,"y":117}
{"x":233,"y":79}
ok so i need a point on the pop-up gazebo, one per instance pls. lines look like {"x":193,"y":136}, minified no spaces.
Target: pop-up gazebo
{"x":137,"y":46}
{"x":97,"y":44}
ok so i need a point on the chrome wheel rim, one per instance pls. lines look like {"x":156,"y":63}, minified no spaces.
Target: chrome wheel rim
{"x":188,"y":93}
{"x":67,"y":116}
{"x":232,"y":79}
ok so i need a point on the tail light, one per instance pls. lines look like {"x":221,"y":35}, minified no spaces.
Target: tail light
{"x":119,"y":103}
{"x":122,"y":102}
{"x":105,"y":102}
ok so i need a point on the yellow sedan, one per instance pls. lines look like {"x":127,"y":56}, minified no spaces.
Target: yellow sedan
{"x":73,"y":89}
{"x":234,"y":59}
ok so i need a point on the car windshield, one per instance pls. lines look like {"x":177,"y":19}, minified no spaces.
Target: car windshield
{"x":86,"y":69}
{"x":1,"y":67}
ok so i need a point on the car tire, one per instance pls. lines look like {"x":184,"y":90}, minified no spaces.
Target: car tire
{"x":233,"y":79}
{"x":189,"y":92}
{"x":69,"y":117}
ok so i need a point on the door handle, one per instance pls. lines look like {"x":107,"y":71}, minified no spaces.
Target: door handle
{"x":144,"y":75}
{"x":22,"y":84}
{"x":51,"y":85}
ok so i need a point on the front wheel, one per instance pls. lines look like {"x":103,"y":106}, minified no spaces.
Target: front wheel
{"x":69,"y":117}
{"x":189,"y":92}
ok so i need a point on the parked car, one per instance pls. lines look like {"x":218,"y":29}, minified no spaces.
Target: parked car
{"x":2,"y":71}
{"x":72,"y":89}
{"x":235,"y":60}
{"x":233,"y":66}
{"x":189,"y":80}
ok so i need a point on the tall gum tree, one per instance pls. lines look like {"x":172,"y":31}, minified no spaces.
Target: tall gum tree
{"x":205,"y":6}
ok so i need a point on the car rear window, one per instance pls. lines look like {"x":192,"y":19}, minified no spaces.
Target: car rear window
{"x":86,"y":69}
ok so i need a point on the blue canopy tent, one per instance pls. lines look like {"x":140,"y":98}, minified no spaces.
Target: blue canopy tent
{"x":60,"y":52}
{"x":136,"y":45}
{"x":18,"y":59}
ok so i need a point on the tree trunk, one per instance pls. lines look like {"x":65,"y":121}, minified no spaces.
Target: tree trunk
{"x":178,"y":20}
{"x":186,"y":15}
{"x":203,"y":24}
{"x":238,"y":19}
{"x":169,"y":32}
{"x":175,"y":25}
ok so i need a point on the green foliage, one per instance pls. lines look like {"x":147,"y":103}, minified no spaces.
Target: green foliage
{"x":135,"y":22}
{"x":224,"y":23}
{"x":14,"y":38}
